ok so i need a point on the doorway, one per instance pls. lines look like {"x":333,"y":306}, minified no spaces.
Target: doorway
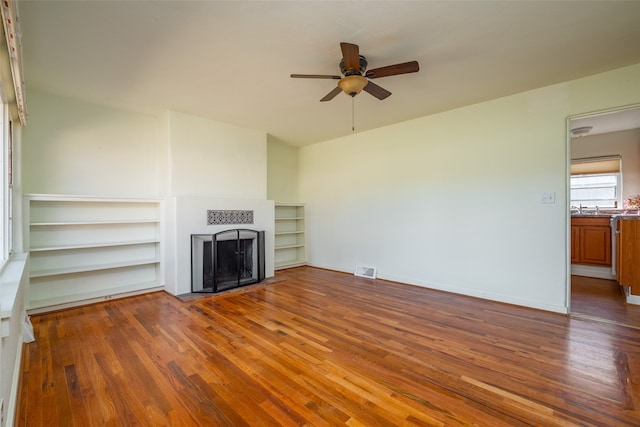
{"x":593,"y":291}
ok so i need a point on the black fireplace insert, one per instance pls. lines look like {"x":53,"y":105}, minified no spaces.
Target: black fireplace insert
{"x":226,"y":260}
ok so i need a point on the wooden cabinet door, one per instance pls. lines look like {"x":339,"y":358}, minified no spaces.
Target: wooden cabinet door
{"x":595,"y":245}
{"x":618,"y":255}
{"x":629,"y":272}
{"x":575,"y":244}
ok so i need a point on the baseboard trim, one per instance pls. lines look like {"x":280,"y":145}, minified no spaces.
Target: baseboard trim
{"x":93,"y":300}
{"x":461,"y":291}
{"x":15,"y":386}
{"x":631,"y":298}
{"x":592,"y":271}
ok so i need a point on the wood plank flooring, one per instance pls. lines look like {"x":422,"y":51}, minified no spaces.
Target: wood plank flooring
{"x":602,"y":299}
{"x":325,"y":349}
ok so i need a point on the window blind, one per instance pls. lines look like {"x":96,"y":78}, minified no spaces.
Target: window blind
{"x":594,"y":166}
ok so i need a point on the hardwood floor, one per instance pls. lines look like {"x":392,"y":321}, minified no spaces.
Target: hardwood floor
{"x":602,"y":299}
{"x":323,"y":348}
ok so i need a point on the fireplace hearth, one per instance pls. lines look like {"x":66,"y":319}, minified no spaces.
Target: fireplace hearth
{"x":226,"y":260}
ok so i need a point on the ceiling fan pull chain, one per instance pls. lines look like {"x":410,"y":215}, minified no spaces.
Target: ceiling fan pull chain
{"x":353,"y":114}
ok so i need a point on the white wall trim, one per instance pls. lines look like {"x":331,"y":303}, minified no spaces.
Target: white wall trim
{"x":463,"y":291}
{"x":93,"y":300}
{"x":15,"y":382}
{"x":14,"y":287}
{"x":592,"y":271}
{"x":631,"y":299}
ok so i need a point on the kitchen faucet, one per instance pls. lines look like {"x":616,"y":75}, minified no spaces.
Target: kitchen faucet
{"x":576,"y":208}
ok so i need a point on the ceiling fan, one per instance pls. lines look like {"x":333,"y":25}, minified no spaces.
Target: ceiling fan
{"x":356,"y":77}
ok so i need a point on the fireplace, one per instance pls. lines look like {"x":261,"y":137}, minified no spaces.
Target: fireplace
{"x":226,"y":260}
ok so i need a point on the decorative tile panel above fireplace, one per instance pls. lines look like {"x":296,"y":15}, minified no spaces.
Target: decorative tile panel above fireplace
{"x":229,"y":217}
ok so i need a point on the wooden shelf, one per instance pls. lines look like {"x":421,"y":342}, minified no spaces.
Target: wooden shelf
{"x":95,"y":267}
{"x":91,"y":247}
{"x":288,"y":264}
{"x":45,"y":304}
{"x":74,"y":223}
{"x":290,"y":245}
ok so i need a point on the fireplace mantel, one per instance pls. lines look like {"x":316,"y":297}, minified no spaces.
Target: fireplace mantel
{"x":187,"y":215}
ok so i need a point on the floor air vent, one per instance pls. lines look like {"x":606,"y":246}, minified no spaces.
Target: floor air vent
{"x":363,"y":271}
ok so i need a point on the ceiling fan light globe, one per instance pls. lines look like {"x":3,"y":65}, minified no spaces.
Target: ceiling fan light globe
{"x":352,"y":85}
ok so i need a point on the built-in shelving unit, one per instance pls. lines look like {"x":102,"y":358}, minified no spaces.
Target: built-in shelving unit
{"x":84,"y":249}
{"x":290,"y":250}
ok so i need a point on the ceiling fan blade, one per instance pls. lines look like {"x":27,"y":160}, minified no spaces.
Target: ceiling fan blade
{"x":393,"y":70}
{"x":315,"y":76}
{"x":332,"y":94}
{"x":376,"y":91}
{"x":351,"y":56}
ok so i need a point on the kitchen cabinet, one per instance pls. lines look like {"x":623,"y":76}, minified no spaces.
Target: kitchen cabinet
{"x":628,"y":273}
{"x":591,"y":241}
{"x":575,"y":244}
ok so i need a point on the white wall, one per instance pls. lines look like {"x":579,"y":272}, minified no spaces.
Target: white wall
{"x":216,"y":159}
{"x":76,"y":148}
{"x":282,"y":171}
{"x":453,"y":201}
{"x":625,"y":143}
{"x":211,"y":165}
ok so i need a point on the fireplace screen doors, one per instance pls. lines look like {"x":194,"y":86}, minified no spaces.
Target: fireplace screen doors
{"x":226,"y":260}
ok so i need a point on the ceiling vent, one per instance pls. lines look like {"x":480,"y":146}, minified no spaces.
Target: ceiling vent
{"x":364,"y":271}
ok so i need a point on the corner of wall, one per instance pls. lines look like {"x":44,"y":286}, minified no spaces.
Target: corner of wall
{"x":282,"y":171}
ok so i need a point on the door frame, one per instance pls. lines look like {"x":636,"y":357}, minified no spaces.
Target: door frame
{"x":568,"y":121}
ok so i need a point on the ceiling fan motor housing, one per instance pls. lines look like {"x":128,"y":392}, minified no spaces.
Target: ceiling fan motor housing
{"x":350,"y":72}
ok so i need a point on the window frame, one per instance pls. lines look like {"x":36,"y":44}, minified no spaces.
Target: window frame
{"x":6,"y":190}
{"x":618,"y":190}
{"x":610,"y":165}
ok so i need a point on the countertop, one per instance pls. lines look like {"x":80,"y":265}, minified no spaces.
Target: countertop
{"x":635,"y":217}
{"x":607,"y":213}
{"x":618,"y":216}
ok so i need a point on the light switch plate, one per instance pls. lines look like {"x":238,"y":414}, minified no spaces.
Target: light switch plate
{"x":549,"y":197}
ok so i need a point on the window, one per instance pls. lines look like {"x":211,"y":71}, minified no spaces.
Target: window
{"x":12,"y":107}
{"x":6,"y":185}
{"x":596,"y":182}
{"x":9,"y":211}
{"x":595,"y":190}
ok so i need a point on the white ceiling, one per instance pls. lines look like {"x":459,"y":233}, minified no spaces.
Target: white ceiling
{"x":231,"y":61}
{"x":609,"y":121}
